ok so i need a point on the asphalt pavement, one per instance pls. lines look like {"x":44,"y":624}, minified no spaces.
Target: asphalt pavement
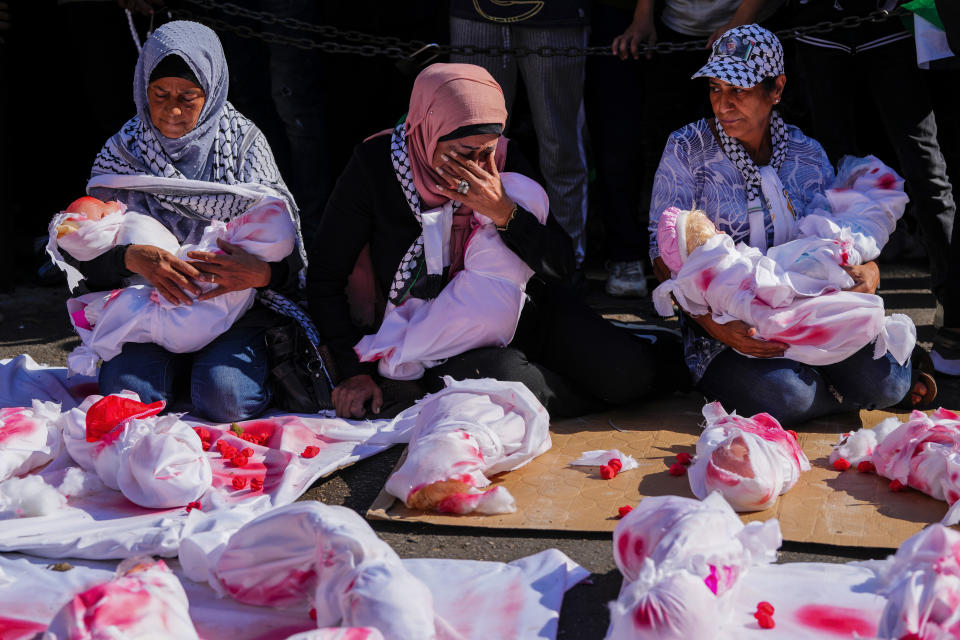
{"x":34,"y":321}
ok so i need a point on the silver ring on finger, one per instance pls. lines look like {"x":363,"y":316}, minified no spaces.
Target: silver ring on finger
{"x":463,"y":187}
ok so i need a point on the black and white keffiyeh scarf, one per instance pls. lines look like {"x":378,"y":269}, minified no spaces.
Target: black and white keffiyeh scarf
{"x":748,"y":168}
{"x":413,"y":262}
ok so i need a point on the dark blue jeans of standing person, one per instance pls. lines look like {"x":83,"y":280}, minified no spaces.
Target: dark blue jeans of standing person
{"x":793,"y":392}
{"x":227,"y":378}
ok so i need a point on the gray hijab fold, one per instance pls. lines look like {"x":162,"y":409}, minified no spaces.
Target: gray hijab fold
{"x":200,"y":48}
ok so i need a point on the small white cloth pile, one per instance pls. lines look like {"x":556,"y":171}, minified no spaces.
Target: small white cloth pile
{"x":325,"y":556}
{"x":463,"y":435}
{"x":793,"y":294}
{"x":105,"y":321}
{"x":144,"y":600}
{"x":749,"y":461}
{"x":479,"y":307}
{"x":683,"y":562}
{"x":921,"y":583}
{"x":155,"y":461}
{"x":923,"y":453}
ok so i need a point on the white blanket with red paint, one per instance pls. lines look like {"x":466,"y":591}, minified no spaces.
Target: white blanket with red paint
{"x":693,"y":570}
{"x":794,"y":294}
{"x":477,"y":600}
{"x":479,"y":307}
{"x":105,"y":321}
{"x":923,"y":453}
{"x":749,"y":461}
{"x":469,"y":432}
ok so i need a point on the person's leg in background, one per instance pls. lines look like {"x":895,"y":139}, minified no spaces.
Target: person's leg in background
{"x":831,"y":86}
{"x":614,"y":97}
{"x":228,"y":380}
{"x":475,"y":33}
{"x":555,"y":90}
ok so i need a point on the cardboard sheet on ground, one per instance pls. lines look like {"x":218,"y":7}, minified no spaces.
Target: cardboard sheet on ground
{"x":469,"y":596}
{"x":107,"y":525}
{"x":826,"y":506}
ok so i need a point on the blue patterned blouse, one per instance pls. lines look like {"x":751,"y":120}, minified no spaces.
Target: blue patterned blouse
{"x":694,"y":173}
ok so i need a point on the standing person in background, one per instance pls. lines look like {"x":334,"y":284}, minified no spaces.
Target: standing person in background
{"x":616,"y":93}
{"x":879,"y":59}
{"x":554,"y":87}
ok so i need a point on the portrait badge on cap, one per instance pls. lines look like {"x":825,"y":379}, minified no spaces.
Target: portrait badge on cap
{"x":744,"y":56}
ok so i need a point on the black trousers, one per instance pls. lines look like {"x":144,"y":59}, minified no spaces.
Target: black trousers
{"x":571,"y":358}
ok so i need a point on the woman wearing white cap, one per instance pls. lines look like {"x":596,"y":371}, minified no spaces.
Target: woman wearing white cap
{"x":754,"y":176}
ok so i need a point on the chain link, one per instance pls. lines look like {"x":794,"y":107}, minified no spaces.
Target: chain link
{"x":369,"y":45}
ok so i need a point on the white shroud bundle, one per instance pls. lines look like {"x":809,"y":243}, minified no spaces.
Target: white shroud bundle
{"x":922,"y":453}
{"x":479,"y":307}
{"x":464,"y":434}
{"x":29,"y":438}
{"x":793,"y":294}
{"x":144,"y":600}
{"x":749,"y":461}
{"x":155,"y":461}
{"x":327,"y":556}
{"x":683,"y":562}
{"x":105,"y":321}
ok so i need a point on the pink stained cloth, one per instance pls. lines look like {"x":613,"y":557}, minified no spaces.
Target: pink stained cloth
{"x":444,"y":98}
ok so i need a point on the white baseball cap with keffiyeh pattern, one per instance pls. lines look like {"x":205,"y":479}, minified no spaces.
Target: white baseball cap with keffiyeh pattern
{"x":744,"y":56}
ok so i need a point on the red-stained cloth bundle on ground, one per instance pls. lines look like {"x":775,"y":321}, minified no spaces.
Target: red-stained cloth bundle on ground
{"x":683,"y":562}
{"x":922,"y":453}
{"x":749,"y":461}
{"x":144,"y":600}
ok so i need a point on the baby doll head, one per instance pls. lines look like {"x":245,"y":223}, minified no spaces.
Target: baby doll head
{"x":680,"y":232}
{"x":92,"y":208}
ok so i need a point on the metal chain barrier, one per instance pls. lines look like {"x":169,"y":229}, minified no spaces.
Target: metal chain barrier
{"x":369,"y":45}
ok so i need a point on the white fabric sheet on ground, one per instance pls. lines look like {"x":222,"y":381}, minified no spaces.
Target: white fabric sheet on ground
{"x":479,"y":600}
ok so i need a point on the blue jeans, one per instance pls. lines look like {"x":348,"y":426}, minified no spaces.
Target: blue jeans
{"x":793,"y":392}
{"x":227,"y":378}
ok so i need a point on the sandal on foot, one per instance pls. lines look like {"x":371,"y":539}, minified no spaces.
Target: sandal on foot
{"x":921,"y":373}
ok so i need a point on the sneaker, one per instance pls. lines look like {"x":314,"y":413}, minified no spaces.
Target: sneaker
{"x":946,"y":352}
{"x":626,"y":279}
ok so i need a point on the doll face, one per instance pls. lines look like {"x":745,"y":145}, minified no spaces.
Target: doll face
{"x":175,"y":105}
{"x":734,"y":456}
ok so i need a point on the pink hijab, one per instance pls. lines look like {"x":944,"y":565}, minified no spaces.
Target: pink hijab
{"x":446,"y":97}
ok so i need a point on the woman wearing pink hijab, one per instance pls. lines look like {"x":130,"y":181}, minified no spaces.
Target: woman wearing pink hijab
{"x":411,"y":199}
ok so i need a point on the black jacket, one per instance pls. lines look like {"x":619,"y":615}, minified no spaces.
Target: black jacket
{"x":368,"y":206}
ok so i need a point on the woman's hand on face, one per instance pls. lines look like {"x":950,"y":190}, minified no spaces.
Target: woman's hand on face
{"x":171,"y":276}
{"x":485,"y":195}
{"x":742,"y":337}
{"x":866,"y":277}
{"x":233,"y":270}
{"x":627,"y":44}
{"x":352,"y":394}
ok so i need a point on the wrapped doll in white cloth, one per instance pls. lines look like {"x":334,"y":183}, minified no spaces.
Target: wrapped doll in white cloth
{"x":107,"y":320}
{"x":328,"y":556}
{"x":155,"y":461}
{"x":29,"y":438}
{"x":479,"y":307}
{"x":794,"y":294}
{"x":144,"y":600}
{"x":682,"y":562}
{"x":921,"y":583}
{"x":923,"y":453}
{"x":464,"y":434}
{"x":749,"y":461}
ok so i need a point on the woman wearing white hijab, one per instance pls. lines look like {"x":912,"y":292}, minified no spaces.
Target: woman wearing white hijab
{"x":186,"y":158}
